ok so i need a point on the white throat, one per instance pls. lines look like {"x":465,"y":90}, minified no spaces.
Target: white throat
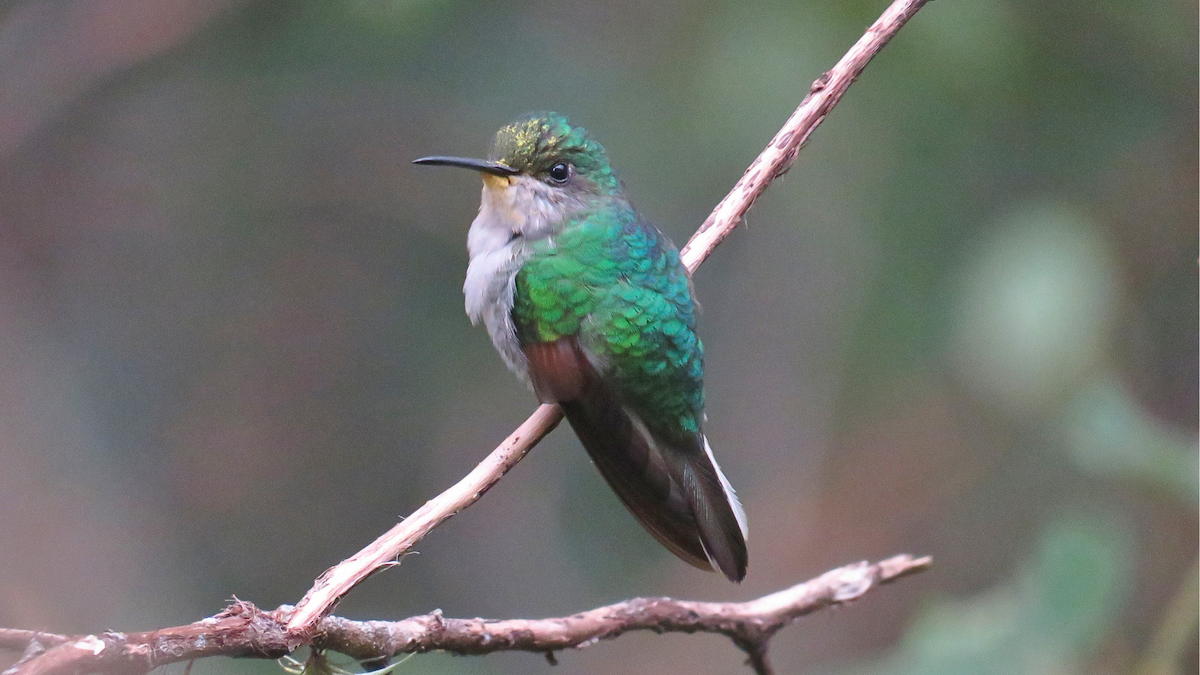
{"x":513,"y":211}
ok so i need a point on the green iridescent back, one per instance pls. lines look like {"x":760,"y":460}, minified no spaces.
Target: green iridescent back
{"x":617,"y":283}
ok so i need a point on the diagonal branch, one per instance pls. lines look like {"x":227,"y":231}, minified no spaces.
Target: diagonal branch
{"x":246,"y":631}
{"x":781,"y":152}
{"x":773,"y":162}
{"x":338,"y":580}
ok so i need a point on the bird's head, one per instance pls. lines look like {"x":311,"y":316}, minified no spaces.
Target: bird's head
{"x":541,"y":169}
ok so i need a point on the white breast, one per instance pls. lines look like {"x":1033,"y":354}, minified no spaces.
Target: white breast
{"x":496,"y":245}
{"x":512,"y":211}
{"x":489,"y":297}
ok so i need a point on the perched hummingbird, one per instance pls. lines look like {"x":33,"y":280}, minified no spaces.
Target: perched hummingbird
{"x":589,"y":304}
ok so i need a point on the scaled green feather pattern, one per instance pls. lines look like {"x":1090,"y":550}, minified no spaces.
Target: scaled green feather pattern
{"x":618,"y":286}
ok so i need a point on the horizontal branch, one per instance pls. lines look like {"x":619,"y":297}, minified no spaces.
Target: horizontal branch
{"x":246,"y":631}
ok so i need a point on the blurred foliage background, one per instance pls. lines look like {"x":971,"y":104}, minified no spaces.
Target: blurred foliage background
{"x":233,"y":350}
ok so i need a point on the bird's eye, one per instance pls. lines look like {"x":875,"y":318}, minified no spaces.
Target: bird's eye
{"x":559,"y":173}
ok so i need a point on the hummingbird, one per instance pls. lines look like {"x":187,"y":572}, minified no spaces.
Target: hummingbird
{"x":589,"y":304}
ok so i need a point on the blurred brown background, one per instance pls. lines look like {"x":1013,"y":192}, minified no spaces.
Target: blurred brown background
{"x":233,"y":350}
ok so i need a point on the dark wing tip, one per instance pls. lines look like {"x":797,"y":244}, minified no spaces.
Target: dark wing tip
{"x":670,"y":486}
{"x":719,"y":530}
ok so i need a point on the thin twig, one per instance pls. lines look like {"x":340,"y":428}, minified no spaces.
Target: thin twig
{"x":781,"y":152}
{"x":773,"y":162}
{"x":246,"y":631}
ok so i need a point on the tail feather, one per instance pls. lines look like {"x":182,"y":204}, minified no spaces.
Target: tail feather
{"x":739,"y":513}
{"x":718,"y":515}
{"x":673,"y":486}
{"x":675,"y":490}
{"x":638,"y":474}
